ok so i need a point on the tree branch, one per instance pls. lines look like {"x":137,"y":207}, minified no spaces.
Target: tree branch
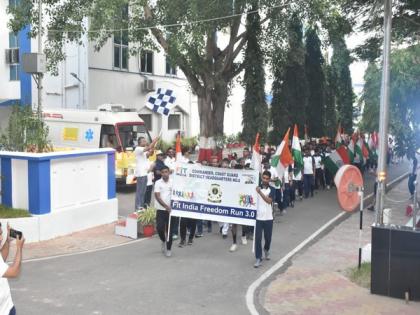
{"x":180,"y":60}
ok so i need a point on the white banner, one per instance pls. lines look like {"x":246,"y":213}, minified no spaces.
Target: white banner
{"x":216,"y":194}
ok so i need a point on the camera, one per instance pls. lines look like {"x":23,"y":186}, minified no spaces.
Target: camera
{"x":15,"y":234}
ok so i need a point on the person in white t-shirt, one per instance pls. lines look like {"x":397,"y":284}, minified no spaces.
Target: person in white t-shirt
{"x":6,"y":271}
{"x":264,"y":222}
{"x":308,"y":174}
{"x":142,"y":153}
{"x":170,"y":159}
{"x":163,"y":192}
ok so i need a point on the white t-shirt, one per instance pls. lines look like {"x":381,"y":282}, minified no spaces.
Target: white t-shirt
{"x":170,"y":162}
{"x":307,"y":165}
{"x":6,"y":302}
{"x":142,"y":163}
{"x":165,"y":190}
{"x":265,"y":210}
{"x":286,"y":175}
{"x":318,"y":160}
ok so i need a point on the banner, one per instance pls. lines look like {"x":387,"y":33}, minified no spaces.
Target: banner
{"x":215,"y":194}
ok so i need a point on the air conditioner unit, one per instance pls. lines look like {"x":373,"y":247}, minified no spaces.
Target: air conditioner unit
{"x":149,"y":85}
{"x":12,"y":55}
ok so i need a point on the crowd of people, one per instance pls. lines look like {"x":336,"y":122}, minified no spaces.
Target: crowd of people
{"x":275,"y":191}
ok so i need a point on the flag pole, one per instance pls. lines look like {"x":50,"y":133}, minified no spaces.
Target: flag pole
{"x":384,"y":114}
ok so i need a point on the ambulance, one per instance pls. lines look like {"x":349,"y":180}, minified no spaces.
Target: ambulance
{"x":110,"y":126}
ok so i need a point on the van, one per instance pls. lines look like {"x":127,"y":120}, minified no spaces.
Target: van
{"x":110,"y":126}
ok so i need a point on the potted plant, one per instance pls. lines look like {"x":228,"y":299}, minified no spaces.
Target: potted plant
{"x":147,"y":219}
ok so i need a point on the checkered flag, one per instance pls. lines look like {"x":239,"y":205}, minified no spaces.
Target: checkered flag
{"x":162,"y":102}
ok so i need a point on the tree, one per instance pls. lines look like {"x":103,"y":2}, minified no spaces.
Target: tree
{"x":404,"y":98}
{"x":340,"y":63}
{"x":314,"y":61}
{"x":292,"y":91}
{"x":254,"y":107}
{"x":186,"y":30}
{"x":330,"y":118}
{"x":405,"y":23}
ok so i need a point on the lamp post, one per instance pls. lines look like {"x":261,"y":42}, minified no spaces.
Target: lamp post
{"x":384,"y":114}
{"x":74,"y":75}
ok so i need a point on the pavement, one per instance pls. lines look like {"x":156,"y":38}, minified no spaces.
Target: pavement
{"x":316,"y":281}
{"x":96,"y":272}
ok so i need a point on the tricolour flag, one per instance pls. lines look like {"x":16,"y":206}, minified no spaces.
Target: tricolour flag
{"x":336,"y":159}
{"x":297,"y":151}
{"x":282,"y":158}
{"x":256,"y":156}
{"x":351,"y":149}
{"x":178,"y":156}
{"x":358,"y":149}
{"x":338,"y":137}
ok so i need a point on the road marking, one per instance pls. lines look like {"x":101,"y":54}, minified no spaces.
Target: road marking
{"x":254,"y":286}
{"x":86,"y":251}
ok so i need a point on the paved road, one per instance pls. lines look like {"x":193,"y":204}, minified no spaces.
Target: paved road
{"x":134,"y":279}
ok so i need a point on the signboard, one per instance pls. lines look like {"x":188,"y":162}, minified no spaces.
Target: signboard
{"x":216,"y":194}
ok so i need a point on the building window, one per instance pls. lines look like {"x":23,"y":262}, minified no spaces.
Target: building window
{"x":14,"y":68}
{"x":174,"y":122}
{"x":14,"y":72}
{"x":121,"y":44}
{"x":146,"y":61}
{"x":171,"y":70}
{"x":147,"y":118}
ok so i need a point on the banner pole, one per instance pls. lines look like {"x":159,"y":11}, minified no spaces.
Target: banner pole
{"x":169,"y":227}
{"x":253,"y":239}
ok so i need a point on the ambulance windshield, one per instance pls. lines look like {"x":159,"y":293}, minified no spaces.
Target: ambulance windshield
{"x":130,"y":133}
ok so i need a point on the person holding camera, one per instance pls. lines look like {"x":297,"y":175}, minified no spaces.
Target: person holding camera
{"x":6,"y":271}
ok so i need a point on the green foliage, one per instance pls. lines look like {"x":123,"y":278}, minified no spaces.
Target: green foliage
{"x":188,"y":143}
{"x":360,"y":276}
{"x":404,"y":98}
{"x":26,"y":132}
{"x":330,"y":122}
{"x":8,"y":213}
{"x":147,"y":216}
{"x":340,"y":64}
{"x":314,"y":61}
{"x":254,"y":107}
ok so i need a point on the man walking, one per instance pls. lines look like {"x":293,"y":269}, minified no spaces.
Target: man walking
{"x":308,"y":173}
{"x":163,"y":192}
{"x":142,"y":152}
{"x":264,"y":222}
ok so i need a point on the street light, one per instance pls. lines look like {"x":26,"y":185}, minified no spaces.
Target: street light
{"x":74,"y":75}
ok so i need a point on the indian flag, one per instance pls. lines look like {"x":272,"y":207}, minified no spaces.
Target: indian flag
{"x":358,"y":148}
{"x":351,"y":149}
{"x":336,"y":159}
{"x":282,"y":158}
{"x":372,"y":147}
{"x":256,"y":157}
{"x":297,"y":151}
{"x":338,"y":137}
{"x":178,"y":156}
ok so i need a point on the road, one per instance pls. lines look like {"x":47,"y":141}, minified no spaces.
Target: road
{"x":204,"y":278}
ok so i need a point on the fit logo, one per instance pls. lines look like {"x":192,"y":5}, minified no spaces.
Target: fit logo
{"x":181,"y":171}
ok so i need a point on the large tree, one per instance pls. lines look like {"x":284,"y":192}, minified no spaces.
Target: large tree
{"x":293,"y":86}
{"x":188,"y":31}
{"x":254,"y":107}
{"x":314,"y":61}
{"x":345,"y":97}
{"x":330,"y":118}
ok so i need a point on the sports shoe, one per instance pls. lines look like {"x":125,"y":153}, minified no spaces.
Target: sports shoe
{"x":233,"y":248}
{"x":267,"y":255}
{"x":181,"y":244}
{"x":244,"y":240}
{"x":224,"y":236}
{"x":168,"y":253}
{"x":190,"y":242}
{"x":163,"y":247}
{"x":174,"y":237}
{"x":199,"y":235}
{"x":258,"y":263}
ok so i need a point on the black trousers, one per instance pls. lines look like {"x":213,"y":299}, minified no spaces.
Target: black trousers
{"x":162,"y":221}
{"x":266,"y":228}
{"x":190,"y":224}
{"x":319,"y":178}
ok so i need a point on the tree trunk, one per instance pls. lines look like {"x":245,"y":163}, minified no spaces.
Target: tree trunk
{"x":211,"y":109}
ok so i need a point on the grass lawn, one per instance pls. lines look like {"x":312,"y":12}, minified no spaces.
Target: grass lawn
{"x":360,"y":276}
{"x":8,"y":213}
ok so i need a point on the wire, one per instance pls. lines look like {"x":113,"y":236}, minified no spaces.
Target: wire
{"x":168,"y":25}
{"x":396,"y":201}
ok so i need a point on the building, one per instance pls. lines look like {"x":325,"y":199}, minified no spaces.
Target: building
{"x":15,"y":85}
{"x":89,"y":78}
